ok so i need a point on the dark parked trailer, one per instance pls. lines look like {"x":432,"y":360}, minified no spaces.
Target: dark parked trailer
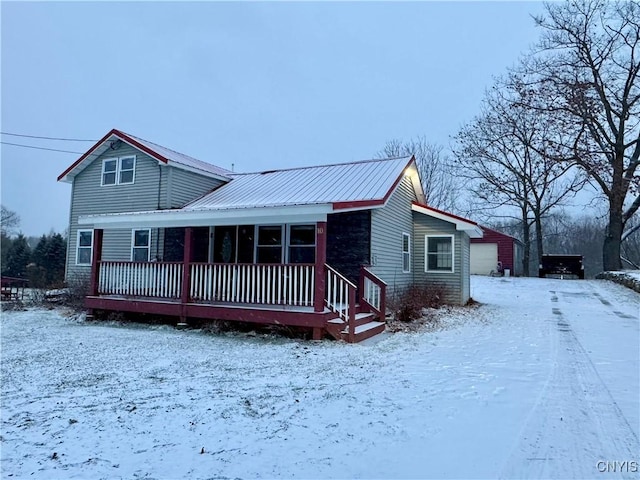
{"x":561,"y":264}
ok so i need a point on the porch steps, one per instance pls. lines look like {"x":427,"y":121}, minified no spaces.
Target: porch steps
{"x":366,"y":326}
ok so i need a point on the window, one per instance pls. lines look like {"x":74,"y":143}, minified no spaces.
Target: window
{"x":118,"y":171}
{"x":140,"y":245}
{"x":302,"y":244}
{"x":439,"y":249}
{"x":127,"y":169}
{"x":269,"y":247}
{"x":406,"y":253}
{"x":84,"y":250}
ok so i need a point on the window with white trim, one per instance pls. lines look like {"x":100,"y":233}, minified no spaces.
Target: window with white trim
{"x":439,"y":253}
{"x":118,"y":171}
{"x":84,"y":247}
{"x":140,"y":245}
{"x":406,"y":253}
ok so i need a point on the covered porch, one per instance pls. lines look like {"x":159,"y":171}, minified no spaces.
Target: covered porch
{"x":269,"y":280}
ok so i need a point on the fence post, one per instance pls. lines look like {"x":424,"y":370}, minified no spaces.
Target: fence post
{"x":94,"y":287}
{"x":321,"y":259}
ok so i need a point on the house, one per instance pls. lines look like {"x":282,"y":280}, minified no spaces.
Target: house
{"x":495,"y":248}
{"x":323,"y":247}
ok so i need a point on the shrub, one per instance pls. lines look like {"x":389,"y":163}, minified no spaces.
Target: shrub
{"x":408,"y":304}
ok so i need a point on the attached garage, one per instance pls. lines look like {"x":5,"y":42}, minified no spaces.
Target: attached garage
{"x":484,"y":258}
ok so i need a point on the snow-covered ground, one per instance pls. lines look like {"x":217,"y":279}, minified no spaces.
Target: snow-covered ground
{"x":540,"y":381}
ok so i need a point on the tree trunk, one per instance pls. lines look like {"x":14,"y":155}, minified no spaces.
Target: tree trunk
{"x":526,"y":236}
{"x":539,"y":237}
{"x":612,"y":240}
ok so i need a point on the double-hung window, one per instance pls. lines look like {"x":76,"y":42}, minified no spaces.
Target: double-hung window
{"x":140,"y":245}
{"x":84,"y":247}
{"x":118,"y":171}
{"x":406,"y":253}
{"x":439,"y":253}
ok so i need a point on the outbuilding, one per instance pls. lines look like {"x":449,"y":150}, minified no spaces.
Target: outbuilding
{"x":494,"y":249}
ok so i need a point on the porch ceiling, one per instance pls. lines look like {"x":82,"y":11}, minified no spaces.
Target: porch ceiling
{"x":202,"y":218}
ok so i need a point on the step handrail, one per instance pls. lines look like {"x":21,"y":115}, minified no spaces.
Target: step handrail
{"x":340,"y":298}
{"x":373,"y":292}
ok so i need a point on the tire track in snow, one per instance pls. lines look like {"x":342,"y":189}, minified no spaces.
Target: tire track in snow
{"x":574,"y":417}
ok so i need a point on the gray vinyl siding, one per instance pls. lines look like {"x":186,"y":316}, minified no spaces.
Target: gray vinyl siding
{"x":387,"y":226}
{"x":465,"y":243}
{"x":184,"y":187}
{"x":456,"y":284}
{"x":151,"y":190}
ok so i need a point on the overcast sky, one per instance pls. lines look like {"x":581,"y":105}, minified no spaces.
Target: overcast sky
{"x":259,"y":85}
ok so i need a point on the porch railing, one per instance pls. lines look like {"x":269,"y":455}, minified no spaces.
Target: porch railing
{"x":159,"y":280}
{"x":290,"y":284}
{"x":373,"y":291}
{"x":340,"y":298}
{"x":276,"y":284}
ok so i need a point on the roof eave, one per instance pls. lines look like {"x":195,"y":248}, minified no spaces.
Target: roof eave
{"x":470,"y":227}
{"x":209,"y":217}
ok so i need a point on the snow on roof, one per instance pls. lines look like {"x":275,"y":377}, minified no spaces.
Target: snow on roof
{"x":160,"y":153}
{"x":348,"y":185}
{"x":179,"y":158}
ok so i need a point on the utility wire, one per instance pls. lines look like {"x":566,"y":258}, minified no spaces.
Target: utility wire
{"x":39,"y":148}
{"x":47,"y":138}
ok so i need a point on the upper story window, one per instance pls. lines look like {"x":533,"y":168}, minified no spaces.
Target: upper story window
{"x":118,"y":171}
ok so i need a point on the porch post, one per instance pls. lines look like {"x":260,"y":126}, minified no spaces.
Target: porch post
{"x":186,"y":272}
{"x":321,"y":260}
{"x":94,"y":285}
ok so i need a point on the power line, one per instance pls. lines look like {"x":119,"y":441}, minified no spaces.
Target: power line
{"x":47,"y":138}
{"x":39,"y":148}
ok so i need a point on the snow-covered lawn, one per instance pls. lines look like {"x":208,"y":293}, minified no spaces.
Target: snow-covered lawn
{"x":542,"y":380}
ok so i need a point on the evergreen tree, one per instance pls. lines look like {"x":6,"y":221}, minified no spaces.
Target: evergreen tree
{"x":18,"y":257}
{"x":55,"y":257}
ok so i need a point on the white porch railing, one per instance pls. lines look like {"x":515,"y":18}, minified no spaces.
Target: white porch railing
{"x":340,"y":294}
{"x":275,"y":284}
{"x":158,"y":280}
{"x":374,"y":290}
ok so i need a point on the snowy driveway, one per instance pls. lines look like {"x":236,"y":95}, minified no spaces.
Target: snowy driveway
{"x":542,"y":380}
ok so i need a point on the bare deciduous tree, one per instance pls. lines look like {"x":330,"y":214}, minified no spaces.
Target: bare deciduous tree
{"x":441,"y":188}
{"x":497,"y":153}
{"x":9,"y":221}
{"x":586,"y":80}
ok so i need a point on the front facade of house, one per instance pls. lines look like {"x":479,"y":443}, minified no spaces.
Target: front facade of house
{"x":156,"y":231}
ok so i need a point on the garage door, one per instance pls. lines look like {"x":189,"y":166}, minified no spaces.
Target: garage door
{"x":484,"y":258}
